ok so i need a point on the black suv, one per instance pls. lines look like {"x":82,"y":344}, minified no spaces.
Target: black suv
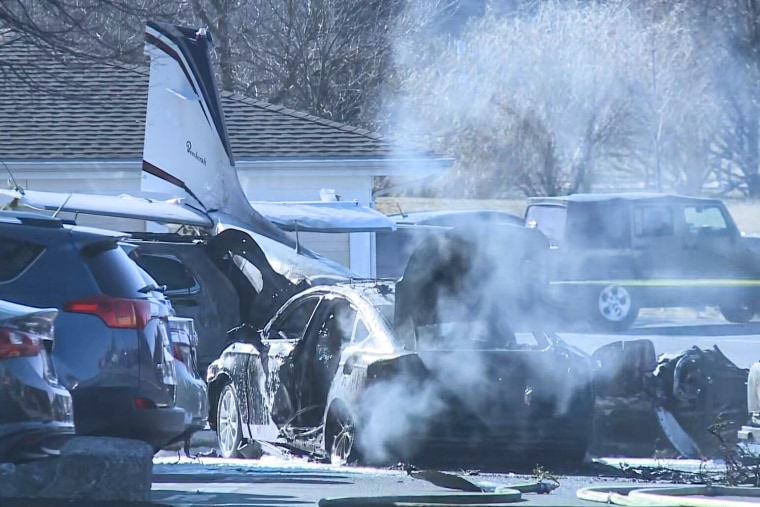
{"x":111,"y":333}
{"x":611,"y":254}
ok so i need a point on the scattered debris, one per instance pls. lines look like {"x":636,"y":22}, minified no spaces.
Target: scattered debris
{"x":689,"y":405}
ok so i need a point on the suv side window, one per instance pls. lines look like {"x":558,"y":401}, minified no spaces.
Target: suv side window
{"x":15,"y":257}
{"x":291,"y":324}
{"x":653,"y":221}
{"x":167,"y":271}
{"x":701,"y":218}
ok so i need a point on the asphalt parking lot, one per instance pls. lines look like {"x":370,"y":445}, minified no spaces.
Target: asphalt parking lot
{"x":277,"y":481}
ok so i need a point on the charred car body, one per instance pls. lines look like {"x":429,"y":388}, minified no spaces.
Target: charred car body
{"x":383,"y":371}
{"x":331,"y":375}
{"x":615,"y":253}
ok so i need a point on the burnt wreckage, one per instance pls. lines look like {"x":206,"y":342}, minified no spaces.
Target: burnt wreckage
{"x":381,"y":371}
{"x":436,"y":364}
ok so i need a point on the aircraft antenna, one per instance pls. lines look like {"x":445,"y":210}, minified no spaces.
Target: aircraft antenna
{"x":62,"y":205}
{"x":16,"y":186}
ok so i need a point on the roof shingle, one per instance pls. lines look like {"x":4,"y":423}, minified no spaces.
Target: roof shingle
{"x":58,"y":108}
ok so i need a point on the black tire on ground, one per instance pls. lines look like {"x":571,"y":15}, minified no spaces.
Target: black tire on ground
{"x":738,"y":314}
{"x":341,"y":437}
{"x":228,"y":424}
{"x":612,"y":308}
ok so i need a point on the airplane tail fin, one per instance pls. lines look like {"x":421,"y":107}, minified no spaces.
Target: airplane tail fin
{"x":186,"y":145}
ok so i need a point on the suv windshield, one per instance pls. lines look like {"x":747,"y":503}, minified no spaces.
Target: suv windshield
{"x":702,"y":218}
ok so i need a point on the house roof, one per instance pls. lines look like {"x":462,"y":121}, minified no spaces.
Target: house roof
{"x":58,"y":107}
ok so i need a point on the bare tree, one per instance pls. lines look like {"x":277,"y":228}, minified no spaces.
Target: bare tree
{"x":104,"y":29}
{"x":539,"y":103}
{"x":677,"y":97}
{"x":326,"y":57}
{"x":737,"y":65}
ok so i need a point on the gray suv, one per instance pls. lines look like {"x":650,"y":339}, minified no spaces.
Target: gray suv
{"x":611,"y":254}
{"x":112,"y":345}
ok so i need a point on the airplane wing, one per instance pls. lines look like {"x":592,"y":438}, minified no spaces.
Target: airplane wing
{"x":324,"y":216}
{"x":331,"y":216}
{"x":108,"y":205}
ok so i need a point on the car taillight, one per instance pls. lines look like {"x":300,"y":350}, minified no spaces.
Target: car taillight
{"x":144,"y":403}
{"x":115,"y":312}
{"x":178,"y":353}
{"x":18,"y":344}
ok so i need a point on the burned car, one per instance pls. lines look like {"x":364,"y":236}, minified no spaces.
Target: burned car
{"x":332,"y":374}
{"x":379,"y":371}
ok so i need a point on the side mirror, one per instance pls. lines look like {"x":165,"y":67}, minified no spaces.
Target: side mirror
{"x":622,"y":367}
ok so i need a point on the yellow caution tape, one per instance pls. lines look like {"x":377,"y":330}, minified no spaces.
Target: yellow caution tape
{"x":664,"y":283}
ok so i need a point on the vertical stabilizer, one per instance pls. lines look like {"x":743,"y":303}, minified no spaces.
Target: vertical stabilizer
{"x":186,"y":143}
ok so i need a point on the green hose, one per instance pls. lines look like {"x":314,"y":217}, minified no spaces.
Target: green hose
{"x":614,"y":495}
{"x":686,"y":496}
{"x":699,"y":496}
{"x":431,"y":500}
{"x":472,"y":493}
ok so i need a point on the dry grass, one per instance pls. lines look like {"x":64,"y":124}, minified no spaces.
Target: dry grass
{"x":746,"y":213}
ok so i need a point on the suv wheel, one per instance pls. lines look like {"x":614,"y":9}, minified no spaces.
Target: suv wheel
{"x":738,"y":314}
{"x":615,"y":309}
{"x":228,"y":428}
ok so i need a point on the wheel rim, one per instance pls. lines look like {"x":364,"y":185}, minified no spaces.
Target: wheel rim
{"x":343,"y":443}
{"x":614,"y":303}
{"x":228,"y":423}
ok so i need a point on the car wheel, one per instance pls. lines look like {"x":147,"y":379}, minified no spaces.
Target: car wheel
{"x":228,"y":427}
{"x":738,"y":314}
{"x":615,"y":308}
{"x":340,"y":438}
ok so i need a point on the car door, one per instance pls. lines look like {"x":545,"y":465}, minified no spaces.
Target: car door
{"x":709,"y":242}
{"x":281,"y":351}
{"x":657,"y":242}
{"x":324,"y":342}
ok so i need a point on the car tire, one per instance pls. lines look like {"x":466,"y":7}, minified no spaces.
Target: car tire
{"x":613,"y":308}
{"x":229,"y":429}
{"x":740,"y":314}
{"x":341,"y":437}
